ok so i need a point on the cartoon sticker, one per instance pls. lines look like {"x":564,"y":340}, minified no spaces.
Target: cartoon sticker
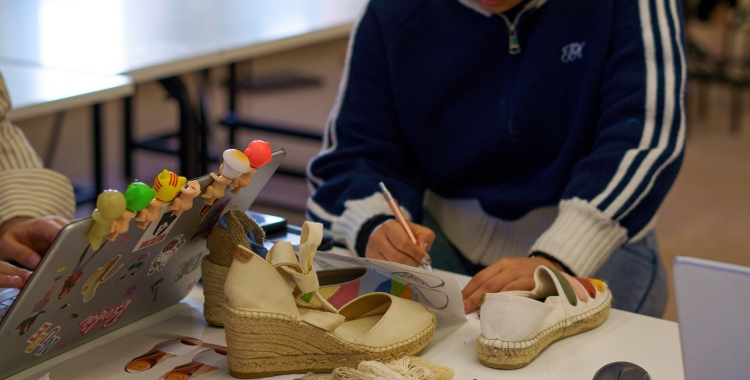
{"x":158,"y":230}
{"x":73,"y":277}
{"x":134,"y":267}
{"x":189,"y":266}
{"x":100,"y":275}
{"x":155,"y":287}
{"x":166,"y":254}
{"x":37,"y":310}
{"x":43,"y":339}
{"x":211,"y":216}
{"x":107,"y":316}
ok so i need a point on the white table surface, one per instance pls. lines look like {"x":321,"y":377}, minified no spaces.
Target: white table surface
{"x":38,"y":91}
{"x":651,"y":343}
{"x":153,"y":39}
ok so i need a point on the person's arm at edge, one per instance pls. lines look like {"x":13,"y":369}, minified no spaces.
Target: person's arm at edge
{"x":34,"y":201}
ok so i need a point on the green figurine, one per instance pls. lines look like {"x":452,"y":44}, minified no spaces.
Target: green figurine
{"x":138,"y":195}
{"x":110,"y":205}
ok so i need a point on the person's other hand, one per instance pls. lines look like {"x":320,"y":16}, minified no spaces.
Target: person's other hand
{"x":23,"y":241}
{"x":511,"y":273}
{"x":390,"y":242}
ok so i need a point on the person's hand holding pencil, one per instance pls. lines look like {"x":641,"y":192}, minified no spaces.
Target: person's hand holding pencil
{"x":399,"y":240}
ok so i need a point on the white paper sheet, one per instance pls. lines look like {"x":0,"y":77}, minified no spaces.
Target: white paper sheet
{"x":437,"y":291}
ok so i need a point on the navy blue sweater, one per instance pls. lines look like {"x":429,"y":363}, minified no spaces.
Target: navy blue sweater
{"x":577,"y":100}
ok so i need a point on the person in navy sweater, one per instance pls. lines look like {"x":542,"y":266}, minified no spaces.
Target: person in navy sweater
{"x":514,"y":134}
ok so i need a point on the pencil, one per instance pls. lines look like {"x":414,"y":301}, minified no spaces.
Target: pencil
{"x":393,"y":204}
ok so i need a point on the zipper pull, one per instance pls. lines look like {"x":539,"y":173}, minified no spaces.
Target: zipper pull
{"x":513,"y":46}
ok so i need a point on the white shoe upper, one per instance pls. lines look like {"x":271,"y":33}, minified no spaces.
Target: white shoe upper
{"x":557,"y":300}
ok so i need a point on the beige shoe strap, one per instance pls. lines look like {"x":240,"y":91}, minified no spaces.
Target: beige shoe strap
{"x":322,"y":319}
{"x":310,"y":239}
{"x":281,"y":256}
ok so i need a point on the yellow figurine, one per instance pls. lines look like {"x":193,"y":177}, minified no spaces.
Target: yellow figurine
{"x":166,"y":186}
{"x":235,"y":164}
{"x":110,"y":205}
{"x":184,"y":201}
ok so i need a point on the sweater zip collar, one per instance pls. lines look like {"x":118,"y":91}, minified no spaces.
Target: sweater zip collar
{"x":514,"y":47}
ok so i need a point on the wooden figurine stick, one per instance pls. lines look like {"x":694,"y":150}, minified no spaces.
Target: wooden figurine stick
{"x":235,"y":164}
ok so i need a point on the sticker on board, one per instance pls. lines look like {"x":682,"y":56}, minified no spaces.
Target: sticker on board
{"x":157,"y":231}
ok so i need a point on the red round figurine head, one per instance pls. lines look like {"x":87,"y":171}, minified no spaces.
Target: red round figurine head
{"x":259,"y":153}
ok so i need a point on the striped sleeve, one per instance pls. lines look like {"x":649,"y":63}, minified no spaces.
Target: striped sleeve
{"x":343,"y":178}
{"x":26,"y":187}
{"x":615,"y":192}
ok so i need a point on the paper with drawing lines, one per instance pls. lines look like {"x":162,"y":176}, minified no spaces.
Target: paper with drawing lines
{"x":437,"y":291}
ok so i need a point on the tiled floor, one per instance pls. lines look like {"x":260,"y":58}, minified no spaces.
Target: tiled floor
{"x":707,"y":213}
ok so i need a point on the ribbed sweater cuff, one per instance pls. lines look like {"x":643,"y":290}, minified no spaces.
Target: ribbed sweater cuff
{"x":35,"y":192}
{"x":356,"y":213}
{"x":581,"y":237}
{"x":363,"y":237}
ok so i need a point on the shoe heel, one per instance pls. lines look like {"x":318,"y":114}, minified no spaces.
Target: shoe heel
{"x":214,"y":277}
{"x":268,"y":344}
{"x":262,"y":344}
{"x":221,"y":243}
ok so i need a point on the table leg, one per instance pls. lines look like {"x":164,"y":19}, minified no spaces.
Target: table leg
{"x":98,"y":165}
{"x":189,"y":133}
{"x":127,"y":127}
{"x":232,"y":88}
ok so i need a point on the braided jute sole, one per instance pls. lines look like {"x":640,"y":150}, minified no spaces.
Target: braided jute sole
{"x":268,"y":344}
{"x":214,"y":276}
{"x":500,"y":354}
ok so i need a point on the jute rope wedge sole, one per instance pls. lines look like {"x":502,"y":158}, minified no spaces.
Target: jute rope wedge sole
{"x":213,"y":276}
{"x":268,"y":344}
{"x":501,"y":354}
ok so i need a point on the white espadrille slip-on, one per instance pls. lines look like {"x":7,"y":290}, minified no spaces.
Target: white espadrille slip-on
{"x":270,"y":331}
{"x":517,"y":325}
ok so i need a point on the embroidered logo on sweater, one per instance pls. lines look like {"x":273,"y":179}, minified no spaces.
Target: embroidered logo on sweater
{"x":572,"y":51}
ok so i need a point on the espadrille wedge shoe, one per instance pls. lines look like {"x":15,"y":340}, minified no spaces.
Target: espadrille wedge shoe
{"x":517,"y":325}
{"x":236,"y":228}
{"x":270,"y":331}
{"x":233,"y":229}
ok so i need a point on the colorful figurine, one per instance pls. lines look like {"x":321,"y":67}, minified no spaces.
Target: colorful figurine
{"x":138,"y":195}
{"x":184,"y":201}
{"x":110,"y":205}
{"x":235,"y":164}
{"x":258,"y":153}
{"x":166,"y":187}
